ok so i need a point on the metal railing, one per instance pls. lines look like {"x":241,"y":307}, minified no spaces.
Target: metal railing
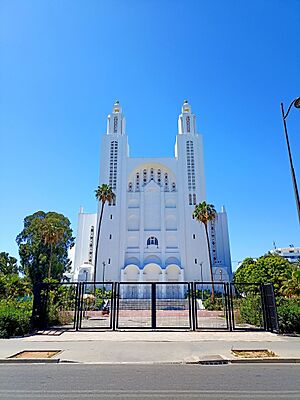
{"x":154,"y":306}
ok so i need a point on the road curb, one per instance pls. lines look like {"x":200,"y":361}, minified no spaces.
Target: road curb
{"x":265,"y":360}
{"x":218,"y":361}
{"x":29,"y":360}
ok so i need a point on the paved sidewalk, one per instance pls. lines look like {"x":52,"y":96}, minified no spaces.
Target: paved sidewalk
{"x":150,"y":347}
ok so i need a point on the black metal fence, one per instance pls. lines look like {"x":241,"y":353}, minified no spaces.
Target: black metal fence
{"x":154,"y":306}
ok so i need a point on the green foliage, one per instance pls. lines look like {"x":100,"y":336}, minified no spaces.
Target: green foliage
{"x":291,"y":287}
{"x":43,"y":246}
{"x":204,"y":212}
{"x":216,"y":305}
{"x":104,"y":193}
{"x":15,"y":317}
{"x":270,"y":268}
{"x":60,"y":303}
{"x":8,"y":264}
{"x":288,"y":311}
{"x":251,"y":310}
{"x":14,"y":287}
{"x":198,"y":294}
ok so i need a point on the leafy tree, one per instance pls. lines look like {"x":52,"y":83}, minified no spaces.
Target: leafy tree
{"x":104,"y":194}
{"x":204,"y":213}
{"x":270,"y":268}
{"x":43,"y":245}
{"x":291,"y":287}
{"x":8,"y":264}
{"x":13,"y":286}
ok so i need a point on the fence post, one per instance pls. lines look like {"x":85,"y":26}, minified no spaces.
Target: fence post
{"x":227,"y":305}
{"x":270,"y":307}
{"x":192,"y":301}
{"x":78,"y":305}
{"x":264,"y":307}
{"x":230,"y":307}
{"x":114,"y":304}
{"x":153,"y":305}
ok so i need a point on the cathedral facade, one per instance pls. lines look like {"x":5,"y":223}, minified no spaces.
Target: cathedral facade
{"x":148,"y":233}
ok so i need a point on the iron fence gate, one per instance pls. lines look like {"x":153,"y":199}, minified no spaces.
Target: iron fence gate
{"x":154,"y":305}
{"x":211,"y":314}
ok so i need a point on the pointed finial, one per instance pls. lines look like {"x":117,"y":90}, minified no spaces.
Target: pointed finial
{"x":117,"y":107}
{"x":186,"y":108}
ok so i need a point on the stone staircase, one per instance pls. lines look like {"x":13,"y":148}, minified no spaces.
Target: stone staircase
{"x":161,"y":304}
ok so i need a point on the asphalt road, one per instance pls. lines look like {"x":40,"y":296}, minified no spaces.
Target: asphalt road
{"x":63,"y":381}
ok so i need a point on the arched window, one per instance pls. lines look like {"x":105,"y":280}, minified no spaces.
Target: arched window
{"x":152,"y":240}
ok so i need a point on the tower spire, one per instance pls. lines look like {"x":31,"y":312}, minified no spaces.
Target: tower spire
{"x":116,"y":120}
{"x":186,"y":120}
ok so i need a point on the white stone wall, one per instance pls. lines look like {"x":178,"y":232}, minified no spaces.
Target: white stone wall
{"x":155,"y":199}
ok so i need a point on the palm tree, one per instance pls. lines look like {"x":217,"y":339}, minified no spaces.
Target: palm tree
{"x":104,"y":194}
{"x":204,"y":213}
{"x":52,"y":234}
{"x":291,"y":287}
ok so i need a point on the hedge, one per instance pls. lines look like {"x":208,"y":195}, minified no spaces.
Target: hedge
{"x":288,"y":312}
{"x":15,"y":317}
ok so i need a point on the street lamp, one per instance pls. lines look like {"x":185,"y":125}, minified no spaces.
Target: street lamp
{"x":103,"y":275}
{"x":201,"y":263}
{"x":295,"y":103}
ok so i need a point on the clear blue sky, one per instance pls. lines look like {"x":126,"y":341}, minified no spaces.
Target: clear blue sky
{"x":63,"y":63}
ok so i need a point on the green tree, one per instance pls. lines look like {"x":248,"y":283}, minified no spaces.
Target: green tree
{"x":204,"y":213}
{"x":13,"y":286}
{"x":291,"y":287}
{"x":43,"y":245}
{"x":270,"y":268}
{"x":103,"y":194}
{"x":8,"y":264}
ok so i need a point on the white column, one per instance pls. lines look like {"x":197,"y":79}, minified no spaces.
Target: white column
{"x":181,"y":279}
{"x":162,"y":245}
{"x":141,"y":287}
{"x":142,"y":224}
{"x":164,"y":287}
{"x":123,"y":279}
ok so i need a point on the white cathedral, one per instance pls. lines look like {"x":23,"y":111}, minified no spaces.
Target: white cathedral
{"x":148,"y":233}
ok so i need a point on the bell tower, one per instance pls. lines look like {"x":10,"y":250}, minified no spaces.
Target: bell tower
{"x":114,"y":154}
{"x":116,"y":121}
{"x":186,"y":120}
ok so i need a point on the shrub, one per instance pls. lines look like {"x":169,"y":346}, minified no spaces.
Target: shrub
{"x":251,"y":310}
{"x":288,"y":312}
{"x":15,"y":317}
{"x":217,"y":305}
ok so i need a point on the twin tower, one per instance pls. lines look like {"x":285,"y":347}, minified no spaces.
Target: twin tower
{"x":148,"y":233}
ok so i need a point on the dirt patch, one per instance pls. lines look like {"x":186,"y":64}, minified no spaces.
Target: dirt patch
{"x":253,"y":353}
{"x":36,"y":354}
